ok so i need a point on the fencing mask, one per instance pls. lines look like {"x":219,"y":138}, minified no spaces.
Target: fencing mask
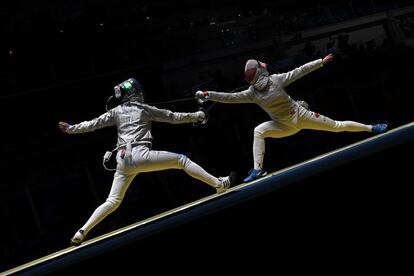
{"x":128,"y":90}
{"x":255,"y":73}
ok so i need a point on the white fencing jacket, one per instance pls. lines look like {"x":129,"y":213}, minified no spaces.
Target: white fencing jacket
{"x":273,"y":99}
{"x":133,"y":122}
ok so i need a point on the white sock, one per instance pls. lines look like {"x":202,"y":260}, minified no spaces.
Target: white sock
{"x":258,"y":152}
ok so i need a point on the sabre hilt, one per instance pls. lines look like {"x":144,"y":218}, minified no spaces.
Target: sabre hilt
{"x":205,"y":119}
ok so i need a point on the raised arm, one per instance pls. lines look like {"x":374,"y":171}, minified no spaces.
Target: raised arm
{"x":106,"y":119}
{"x":295,"y":74}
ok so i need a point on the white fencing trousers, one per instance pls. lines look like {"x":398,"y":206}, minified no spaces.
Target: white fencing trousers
{"x":144,"y":160}
{"x":306,"y":119}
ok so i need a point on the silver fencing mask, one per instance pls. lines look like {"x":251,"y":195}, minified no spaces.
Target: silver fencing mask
{"x":255,"y":73}
{"x":130,"y":89}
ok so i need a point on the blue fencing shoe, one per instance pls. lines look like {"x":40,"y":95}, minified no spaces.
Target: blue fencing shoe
{"x":379,"y":128}
{"x":254,"y":174}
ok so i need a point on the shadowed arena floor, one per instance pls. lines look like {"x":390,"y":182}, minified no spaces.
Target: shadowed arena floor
{"x":349,"y":208}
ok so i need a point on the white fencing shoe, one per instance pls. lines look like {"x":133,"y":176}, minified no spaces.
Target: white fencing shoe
{"x":226,"y":182}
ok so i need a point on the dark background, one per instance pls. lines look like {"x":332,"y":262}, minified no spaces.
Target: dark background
{"x":60,"y":61}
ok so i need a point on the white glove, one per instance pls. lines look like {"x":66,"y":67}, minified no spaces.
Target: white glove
{"x":201,"y":115}
{"x":201,"y":96}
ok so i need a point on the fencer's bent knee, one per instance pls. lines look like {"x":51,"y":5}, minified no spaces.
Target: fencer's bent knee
{"x":258,"y":132}
{"x":182,"y":161}
{"x":114,"y":202}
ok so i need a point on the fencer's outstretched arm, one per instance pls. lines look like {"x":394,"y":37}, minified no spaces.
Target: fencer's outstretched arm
{"x":244,"y":96}
{"x":167,"y":116}
{"x":152,"y":113}
{"x":106,"y":119}
{"x":297,"y":73}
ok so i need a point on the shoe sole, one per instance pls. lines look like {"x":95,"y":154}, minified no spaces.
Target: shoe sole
{"x":232,"y":177}
{"x":75,"y":243}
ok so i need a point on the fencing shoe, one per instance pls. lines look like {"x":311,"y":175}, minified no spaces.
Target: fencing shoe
{"x":226,"y":182}
{"x":379,"y":128}
{"x":77,"y":238}
{"x":254,"y":174}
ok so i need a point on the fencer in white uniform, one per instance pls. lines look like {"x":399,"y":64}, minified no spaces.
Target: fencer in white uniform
{"x":134,"y":155}
{"x":287,"y":115}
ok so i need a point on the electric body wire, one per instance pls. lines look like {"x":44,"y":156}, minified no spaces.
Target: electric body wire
{"x":180,"y":100}
{"x":108,"y":154}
